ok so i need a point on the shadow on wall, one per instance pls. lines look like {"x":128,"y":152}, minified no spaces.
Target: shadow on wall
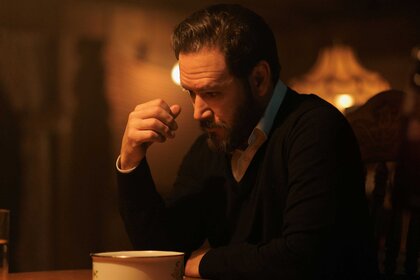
{"x":10,"y":170}
{"x":89,"y":199}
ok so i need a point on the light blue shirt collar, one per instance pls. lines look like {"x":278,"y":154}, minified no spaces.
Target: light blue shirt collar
{"x":266,"y":122}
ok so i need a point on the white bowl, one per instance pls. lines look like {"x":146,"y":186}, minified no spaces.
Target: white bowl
{"x":138,"y":265}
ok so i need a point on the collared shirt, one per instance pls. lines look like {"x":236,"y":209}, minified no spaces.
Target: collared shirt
{"x":241,"y":159}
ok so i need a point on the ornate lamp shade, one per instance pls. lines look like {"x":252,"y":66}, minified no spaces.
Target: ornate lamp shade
{"x":338,"y":77}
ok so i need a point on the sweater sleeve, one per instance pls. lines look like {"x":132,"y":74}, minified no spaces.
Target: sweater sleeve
{"x":177,"y":223}
{"x":322,"y":204}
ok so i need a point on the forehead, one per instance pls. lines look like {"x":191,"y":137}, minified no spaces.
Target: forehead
{"x":202,"y":68}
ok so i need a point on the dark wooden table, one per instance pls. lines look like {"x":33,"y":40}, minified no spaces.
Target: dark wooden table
{"x":84,"y":274}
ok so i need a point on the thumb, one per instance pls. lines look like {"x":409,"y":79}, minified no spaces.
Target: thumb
{"x":175,"y":110}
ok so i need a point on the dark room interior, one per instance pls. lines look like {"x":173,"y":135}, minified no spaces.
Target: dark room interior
{"x":71,"y":71}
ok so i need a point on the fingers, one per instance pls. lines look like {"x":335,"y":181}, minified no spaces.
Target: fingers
{"x":150,"y":129}
{"x":176,"y":110}
{"x":155,"y":115}
{"x":150,"y":122}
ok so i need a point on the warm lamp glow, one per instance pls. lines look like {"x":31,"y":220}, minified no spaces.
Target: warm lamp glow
{"x":175,"y":74}
{"x":343,"y":101}
{"x":336,"y":71}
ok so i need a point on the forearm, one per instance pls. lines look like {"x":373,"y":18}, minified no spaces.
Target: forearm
{"x":276,"y":259}
{"x":138,"y":205}
{"x":299,"y":250}
{"x":152,"y":224}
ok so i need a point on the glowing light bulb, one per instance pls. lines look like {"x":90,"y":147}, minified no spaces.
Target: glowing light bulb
{"x":344,"y":101}
{"x":175,"y":74}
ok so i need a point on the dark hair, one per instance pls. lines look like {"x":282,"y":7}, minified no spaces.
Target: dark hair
{"x":243,"y":37}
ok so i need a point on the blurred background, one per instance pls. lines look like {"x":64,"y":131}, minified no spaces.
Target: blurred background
{"x":72,"y":70}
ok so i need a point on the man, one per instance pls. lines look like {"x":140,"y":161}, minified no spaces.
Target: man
{"x":272,"y":190}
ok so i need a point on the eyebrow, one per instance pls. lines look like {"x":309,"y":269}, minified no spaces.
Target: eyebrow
{"x":210,"y":87}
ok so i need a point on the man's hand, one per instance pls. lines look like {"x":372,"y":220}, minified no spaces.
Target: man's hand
{"x":193,"y":263}
{"x":150,"y":122}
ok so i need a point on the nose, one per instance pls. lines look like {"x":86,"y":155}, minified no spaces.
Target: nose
{"x":201,"y":109}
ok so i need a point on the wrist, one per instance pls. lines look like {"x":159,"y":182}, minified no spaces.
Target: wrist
{"x":124,"y":168}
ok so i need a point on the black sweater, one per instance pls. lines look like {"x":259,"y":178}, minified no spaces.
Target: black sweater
{"x":298,"y":213}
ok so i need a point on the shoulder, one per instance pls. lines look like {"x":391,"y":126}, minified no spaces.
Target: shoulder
{"x":306,"y":118}
{"x":309,"y":103}
{"x":306,"y":109}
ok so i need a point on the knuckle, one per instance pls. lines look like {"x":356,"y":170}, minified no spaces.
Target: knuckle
{"x":131,"y":115}
{"x":151,"y":134}
{"x":160,"y":101}
{"x":155,"y":123}
{"x":156,"y":110}
{"x":131,"y":135}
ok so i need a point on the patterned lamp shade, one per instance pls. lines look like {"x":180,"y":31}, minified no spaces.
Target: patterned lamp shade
{"x":339,"y":78}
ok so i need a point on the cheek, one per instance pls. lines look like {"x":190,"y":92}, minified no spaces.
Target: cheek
{"x":225,"y":113}
{"x":222,"y":117}
{"x":225,"y":109}
{"x":217,"y":118}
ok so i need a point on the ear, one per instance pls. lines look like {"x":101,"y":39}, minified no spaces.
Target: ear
{"x":260,"y":78}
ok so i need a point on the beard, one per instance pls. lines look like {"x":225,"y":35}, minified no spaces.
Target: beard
{"x":245,"y":117}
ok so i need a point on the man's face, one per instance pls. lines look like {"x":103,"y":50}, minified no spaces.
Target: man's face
{"x":223,"y":104}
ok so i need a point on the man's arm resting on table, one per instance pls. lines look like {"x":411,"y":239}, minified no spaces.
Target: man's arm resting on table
{"x":193,"y":262}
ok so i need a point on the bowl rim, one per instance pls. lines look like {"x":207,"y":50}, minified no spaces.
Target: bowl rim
{"x":125,"y":254}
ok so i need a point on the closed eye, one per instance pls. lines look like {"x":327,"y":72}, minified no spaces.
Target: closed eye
{"x":211,"y":94}
{"x":206,"y":95}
